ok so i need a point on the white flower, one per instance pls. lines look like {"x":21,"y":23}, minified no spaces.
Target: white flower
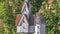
{"x":53,"y":11}
{"x":49,"y":6}
{"x":43,"y":3}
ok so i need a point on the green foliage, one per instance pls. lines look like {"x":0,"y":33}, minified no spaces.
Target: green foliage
{"x":36,"y":5}
{"x":52,"y":17}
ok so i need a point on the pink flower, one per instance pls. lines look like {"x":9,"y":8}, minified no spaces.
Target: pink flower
{"x":50,"y":1}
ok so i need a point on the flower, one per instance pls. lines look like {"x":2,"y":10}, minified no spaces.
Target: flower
{"x":50,"y":1}
{"x":49,"y":6}
{"x":43,"y":3}
{"x":53,"y":11}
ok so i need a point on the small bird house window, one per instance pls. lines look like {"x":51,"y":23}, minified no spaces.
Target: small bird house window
{"x":23,"y":20}
{"x":38,"y":27}
{"x":23,"y":27}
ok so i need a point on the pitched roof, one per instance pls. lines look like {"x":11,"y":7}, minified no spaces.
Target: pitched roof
{"x":23,"y":18}
{"x":18,"y":18}
{"x":40,"y":18}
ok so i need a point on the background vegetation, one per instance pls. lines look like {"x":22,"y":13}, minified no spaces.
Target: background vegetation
{"x":10,"y":8}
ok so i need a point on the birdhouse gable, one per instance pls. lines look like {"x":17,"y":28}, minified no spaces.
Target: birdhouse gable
{"x":25,"y":9}
{"x":23,"y":21}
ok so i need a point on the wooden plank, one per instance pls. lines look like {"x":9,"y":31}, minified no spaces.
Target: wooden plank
{"x":18,"y":18}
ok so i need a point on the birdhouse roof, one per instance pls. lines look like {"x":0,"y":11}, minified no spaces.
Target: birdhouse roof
{"x":23,"y":19}
{"x":18,"y":18}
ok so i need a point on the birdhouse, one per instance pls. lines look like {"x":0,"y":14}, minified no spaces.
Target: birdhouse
{"x":39,"y":24}
{"x":30,"y":23}
{"x":25,"y":21}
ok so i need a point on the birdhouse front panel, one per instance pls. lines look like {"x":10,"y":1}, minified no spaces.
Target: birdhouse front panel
{"x":37,"y":29}
{"x":24,"y":29}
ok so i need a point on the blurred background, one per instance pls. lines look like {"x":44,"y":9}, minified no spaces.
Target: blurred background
{"x":10,"y":8}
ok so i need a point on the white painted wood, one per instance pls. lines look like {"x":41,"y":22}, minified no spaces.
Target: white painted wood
{"x":23,"y":25}
{"x":37,"y":29}
{"x":41,"y":29}
{"x":22,"y":28}
{"x":18,"y":29}
{"x":26,"y":9}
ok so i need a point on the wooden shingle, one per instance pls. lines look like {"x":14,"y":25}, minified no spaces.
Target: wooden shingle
{"x":18,"y":18}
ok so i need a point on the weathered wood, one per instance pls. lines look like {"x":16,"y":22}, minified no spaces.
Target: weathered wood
{"x":18,"y":18}
{"x":40,"y":24}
